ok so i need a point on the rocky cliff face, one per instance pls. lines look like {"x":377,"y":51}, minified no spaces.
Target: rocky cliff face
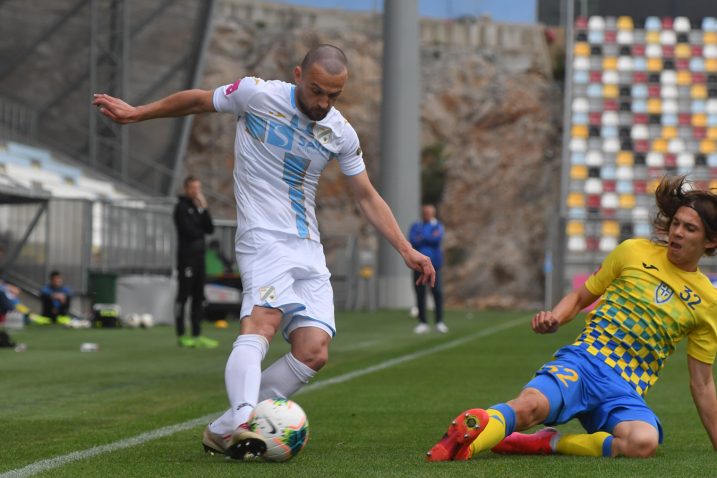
{"x":499,"y":132}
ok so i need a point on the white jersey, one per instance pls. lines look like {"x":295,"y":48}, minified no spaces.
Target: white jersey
{"x":279,"y":155}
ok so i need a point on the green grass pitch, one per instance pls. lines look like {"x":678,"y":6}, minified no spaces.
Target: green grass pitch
{"x":56,"y":400}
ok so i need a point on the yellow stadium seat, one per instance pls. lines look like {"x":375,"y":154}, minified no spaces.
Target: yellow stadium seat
{"x":709,"y":37}
{"x":582,"y":49}
{"x":609,"y":63}
{"x":654,"y":106}
{"x":627,"y":201}
{"x":711,"y":65}
{"x":682,"y":50}
{"x":699,"y":120}
{"x":610,"y":228}
{"x":610,"y":91}
{"x":625,"y":158}
{"x":684,"y":78}
{"x":713,"y":184}
{"x":659,"y":146}
{"x":579,"y":172}
{"x":576,"y":200}
{"x":712,"y":133}
{"x":669,"y":132}
{"x":652,"y":185}
{"x":652,"y":37}
{"x":576,"y":228}
{"x":579,"y":131}
{"x":654,"y":64}
{"x":699,"y":92}
{"x":707,"y":146}
{"x":624,"y":23}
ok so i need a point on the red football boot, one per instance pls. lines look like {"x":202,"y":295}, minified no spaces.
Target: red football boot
{"x":455,"y":444}
{"x":538,"y":443}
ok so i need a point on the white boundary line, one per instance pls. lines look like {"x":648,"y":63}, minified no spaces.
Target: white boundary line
{"x":58,"y":461}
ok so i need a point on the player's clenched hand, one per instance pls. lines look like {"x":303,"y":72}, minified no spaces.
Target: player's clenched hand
{"x":418,"y":262}
{"x":544,"y":322}
{"x":115,"y":109}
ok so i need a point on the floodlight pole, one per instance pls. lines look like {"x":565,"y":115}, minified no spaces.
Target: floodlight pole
{"x":400,"y":141}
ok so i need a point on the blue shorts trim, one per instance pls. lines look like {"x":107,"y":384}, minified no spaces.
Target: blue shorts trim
{"x":577,"y":385}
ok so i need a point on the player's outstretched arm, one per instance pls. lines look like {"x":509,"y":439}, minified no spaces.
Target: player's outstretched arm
{"x":702,"y":386}
{"x":182,"y":103}
{"x":549,"y":321}
{"x":380,"y":216}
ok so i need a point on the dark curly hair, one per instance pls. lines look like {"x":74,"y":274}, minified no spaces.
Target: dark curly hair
{"x":676,"y":192}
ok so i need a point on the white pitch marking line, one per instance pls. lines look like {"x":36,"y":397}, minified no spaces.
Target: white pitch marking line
{"x":58,"y":461}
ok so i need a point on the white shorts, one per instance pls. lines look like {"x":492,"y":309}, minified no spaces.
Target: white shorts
{"x":288,"y":273}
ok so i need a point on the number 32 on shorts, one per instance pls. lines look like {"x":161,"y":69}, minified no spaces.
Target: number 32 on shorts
{"x":564,"y":374}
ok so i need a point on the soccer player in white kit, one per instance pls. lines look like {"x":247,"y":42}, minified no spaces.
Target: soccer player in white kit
{"x":286,"y":135}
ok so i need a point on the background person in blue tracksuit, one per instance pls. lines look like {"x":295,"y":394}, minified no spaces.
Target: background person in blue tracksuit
{"x":56,"y":298}
{"x":425,"y":236}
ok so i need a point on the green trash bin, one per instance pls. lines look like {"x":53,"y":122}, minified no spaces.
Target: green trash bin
{"x":102,"y":287}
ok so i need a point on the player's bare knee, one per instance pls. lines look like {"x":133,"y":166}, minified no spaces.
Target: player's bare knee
{"x":642,"y":446}
{"x":313,"y":357}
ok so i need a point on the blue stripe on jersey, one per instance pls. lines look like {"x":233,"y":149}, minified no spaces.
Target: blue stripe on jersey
{"x":256,"y":126}
{"x":293,"y":97}
{"x":294,"y":172}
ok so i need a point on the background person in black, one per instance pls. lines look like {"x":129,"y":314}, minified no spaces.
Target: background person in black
{"x":193,"y":222}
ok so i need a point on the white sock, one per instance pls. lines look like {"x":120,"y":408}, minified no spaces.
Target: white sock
{"x":242,"y":376}
{"x":284,"y":378}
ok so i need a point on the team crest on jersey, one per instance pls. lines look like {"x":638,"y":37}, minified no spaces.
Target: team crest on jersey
{"x":663,"y":293}
{"x":322,"y":134}
{"x":267,"y":294}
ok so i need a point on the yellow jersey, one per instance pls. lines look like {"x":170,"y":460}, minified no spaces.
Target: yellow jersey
{"x":647,"y":306}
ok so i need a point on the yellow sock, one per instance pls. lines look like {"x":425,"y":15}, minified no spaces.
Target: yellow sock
{"x":594,"y":444}
{"x":492,"y":435}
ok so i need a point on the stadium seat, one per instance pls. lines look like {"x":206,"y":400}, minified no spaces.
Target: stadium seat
{"x":581,"y":49}
{"x":575,"y":228}
{"x":709,"y":24}
{"x":625,"y":158}
{"x":609,"y":118}
{"x":652,"y":37}
{"x":579,"y":131}
{"x":681,"y":24}
{"x":577,"y":243}
{"x":578,"y":172}
{"x":625,"y":23}
{"x":655,"y":160}
{"x":639,"y":131}
{"x":607,"y":244}
{"x":625,"y":63}
{"x":593,"y":186}
{"x":668,"y":37}
{"x":653,"y":24}
{"x":667,"y":23}
{"x":668,"y":132}
{"x":581,"y":63}
{"x":625,"y":37}
{"x":596,"y":23}
{"x":709,"y":51}
{"x":576,"y":200}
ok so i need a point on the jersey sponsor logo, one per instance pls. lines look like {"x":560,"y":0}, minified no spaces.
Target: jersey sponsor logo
{"x":232,"y":88}
{"x":663,"y":293}
{"x":284,"y":136}
{"x":650,"y":267}
{"x":267,"y":294}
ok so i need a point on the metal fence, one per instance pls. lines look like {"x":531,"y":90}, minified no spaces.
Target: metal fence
{"x":84,"y":239}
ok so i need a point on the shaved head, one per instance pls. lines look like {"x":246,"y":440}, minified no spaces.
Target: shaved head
{"x":329,"y":57}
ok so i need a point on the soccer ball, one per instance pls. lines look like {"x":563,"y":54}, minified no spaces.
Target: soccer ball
{"x":132,"y":321}
{"x":283,"y":425}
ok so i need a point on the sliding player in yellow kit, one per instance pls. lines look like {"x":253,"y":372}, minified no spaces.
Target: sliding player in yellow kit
{"x":652,"y":295}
